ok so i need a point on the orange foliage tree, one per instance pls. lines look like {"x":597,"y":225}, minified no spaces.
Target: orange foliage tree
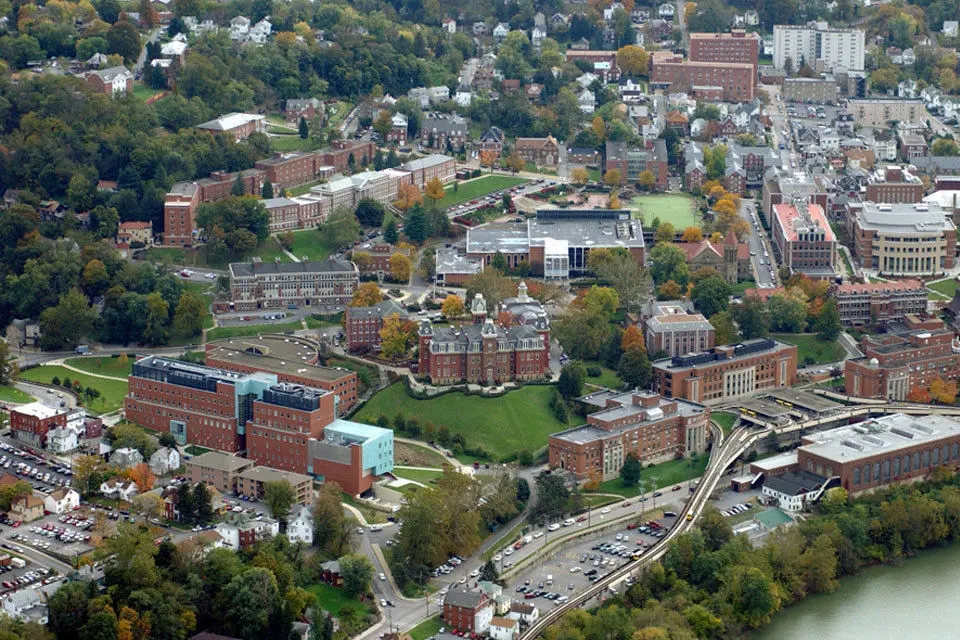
{"x":632,"y":337}
{"x":142,"y":477}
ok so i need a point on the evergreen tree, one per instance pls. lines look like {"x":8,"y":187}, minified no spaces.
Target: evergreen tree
{"x":390,"y":234}
{"x":303,"y":128}
{"x":392,"y":159}
{"x":237,"y":189}
{"x":267,"y":191}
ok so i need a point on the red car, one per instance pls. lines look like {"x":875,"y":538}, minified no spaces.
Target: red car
{"x":677,"y":488}
{"x":582,"y":519}
{"x":631,"y":526}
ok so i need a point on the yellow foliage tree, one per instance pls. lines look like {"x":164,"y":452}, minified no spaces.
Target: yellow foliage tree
{"x":452,"y":306}
{"x":434,"y":189}
{"x":393,"y":339}
{"x":612,"y":178}
{"x":692,"y":234}
{"x":400,"y":267}
{"x":671,"y":290}
{"x":943,"y":392}
{"x":646,"y":180}
{"x":716,"y":237}
{"x":632,"y":337}
{"x":579,"y":176}
{"x":286,"y":39}
{"x":599,"y":128}
{"x":142,"y":477}
{"x":633,"y":60}
{"x":665,"y":233}
{"x":614,"y":201}
{"x":408,"y":196}
{"x":366,"y":295}
{"x":515,"y":162}
{"x":724,"y":207}
{"x":488,"y":158}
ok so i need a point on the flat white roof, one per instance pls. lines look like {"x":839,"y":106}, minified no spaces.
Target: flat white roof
{"x":37,"y":410}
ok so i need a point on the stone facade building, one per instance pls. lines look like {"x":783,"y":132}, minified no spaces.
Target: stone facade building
{"x":276,"y":285}
{"x":879,"y":302}
{"x":674,"y":331}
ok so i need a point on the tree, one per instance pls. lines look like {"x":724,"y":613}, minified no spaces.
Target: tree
{"x":383,"y":124}
{"x":11,"y":492}
{"x":630,"y":471}
{"x":357,"y":572}
{"x":251,"y":600}
{"x":65,"y":324}
{"x":944,"y":147}
{"x":434,"y":190}
{"x":515,"y":162}
{"x":488,"y":158}
{"x":579,"y":176}
{"x":390,"y":233}
{"x":84,"y":468}
{"x":488,"y":572}
{"x":202,"y":504}
{"x":279,"y":496}
{"x":692,"y":234}
{"x":303,"y":129}
{"x":400,"y":267}
{"x":158,"y":318}
{"x":646,"y":180}
{"x":267,"y":191}
{"x":668,"y":262}
{"x":452,"y":306}
{"x":634,"y":368}
{"x":572,"y":376}
{"x":370,"y":212}
{"x":331,"y":528}
{"x":553,"y":498}
{"x":493,"y":286}
{"x":189,"y":315}
{"x":149,"y":505}
{"x":753,"y":318}
{"x":142,"y":477}
{"x":367,"y":295}
{"x":393,"y":338}
{"x":632,"y":337}
{"x":711,"y":295}
{"x":787,"y":313}
{"x":612,"y":178}
{"x":665,"y":233}
{"x":724,"y":328}
{"x":341,"y":227}
{"x":827,"y":323}
{"x":633,"y":60}
{"x":753,"y":596}
{"x":417,"y":226}
{"x":123,"y":39}
{"x":942,"y":391}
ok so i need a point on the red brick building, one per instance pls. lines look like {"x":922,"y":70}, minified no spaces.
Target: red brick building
{"x":237,"y":125}
{"x":275,"y":285}
{"x":737,"y":80}
{"x":738,"y":46}
{"x":894,"y":364}
{"x":543,"y":152}
{"x":422,"y":171}
{"x":604,"y":62}
{"x":306,"y":108}
{"x":283,"y":422}
{"x":467,"y":610}
{"x":31,"y":422}
{"x":362,"y":325}
{"x":727,"y":372}
{"x":879,"y":302}
{"x":376,"y":257}
{"x":179,"y":208}
{"x":115,"y":81}
{"x":894,"y":185}
{"x":292,"y":169}
{"x":339,"y":152}
{"x":806,"y":241}
{"x":882,"y":451}
{"x":638,"y":422}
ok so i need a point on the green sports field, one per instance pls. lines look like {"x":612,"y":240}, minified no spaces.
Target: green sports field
{"x":676,"y":208}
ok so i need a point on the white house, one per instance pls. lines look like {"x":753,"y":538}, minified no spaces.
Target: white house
{"x":62,"y":500}
{"x":260,"y":31}
{"x":62,"y":440}
{"x":951,"y":28}
{"x":438,"y":94}
{"x":464,"y":96}
{"x":504,"y":628}
{"x":794,"y":489}
{"x":164,"y":460}
{"x":667,"y":11}
{"x":751,"y":18}
{"x":241,"y":534}
{"x":501,"y":30}
{"x":25,"y":604}
{"x":587,"y":101}
{"x":449,"y":25}
{"x":587,"y":80}
{"x":126,"y":457}
{"x":300,"y":525}
{"x":609,"y":11}
{"x":537,"y":36}
{"x":239,"y":27}
{"x":119,"y":489}
{"x":173,"y":49}
{"x":525,"y":612}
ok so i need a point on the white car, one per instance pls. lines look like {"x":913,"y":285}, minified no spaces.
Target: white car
{"x":498,"y":557}
{"x":538,"y":534}
{"x":211,"y":276}
{"x":605,"y":510}
{"x":574,"y":569}
{"x":383,"y":603}
{"x":383,"y":576}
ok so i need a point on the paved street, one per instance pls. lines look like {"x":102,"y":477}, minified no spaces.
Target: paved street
{"x":761,"y":257}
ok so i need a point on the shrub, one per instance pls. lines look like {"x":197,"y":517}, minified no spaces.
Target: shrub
{"x":808,"y":360}
{"x":594,"y":372}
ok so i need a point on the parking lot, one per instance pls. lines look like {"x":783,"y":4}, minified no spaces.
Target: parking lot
{"x":44,"y":475}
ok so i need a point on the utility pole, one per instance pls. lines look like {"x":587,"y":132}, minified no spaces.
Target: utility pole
{"x":653,"y":479}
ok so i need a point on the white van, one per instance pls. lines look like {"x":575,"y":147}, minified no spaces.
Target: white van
{"x":568,"y":522}
{"x":549,"y":579}
{"x":553,"y":527}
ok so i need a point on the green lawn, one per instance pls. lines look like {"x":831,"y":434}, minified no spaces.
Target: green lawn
{"x":12,"y":394}
{"x":302,"y":189}
{"x":318,"y":322}
{"x":417,"y":475}
{"x":608,"y":377}
{"x":739,"y":288}
{"x":311,"y":244}
{"x":477,"y":188}
{"x":415,"y":455}
{"x":268,"y":251}
{"x":292,"y":143}
{"x":811,"y":349}
{"x":332,"y":600}
{"x":724,"y":419}
{"x":142,"y":92}
{"x":595,"y":175}
{"x":221,"y":333}
{"x":677,"y":209}
{"x":520,"y":420}
{"x":531,"y":167}
{"x":592,"y":502}
{"x":426,"y":629}
{"x":104,"y":366}
{"x":194,"y":450}
{"x":112,"y":391}
{"x":341,"y":109}
{"x":667,"y":474}
{"x":945,"y":287}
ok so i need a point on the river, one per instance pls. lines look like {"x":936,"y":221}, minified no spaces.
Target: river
{"x":917,"y":600}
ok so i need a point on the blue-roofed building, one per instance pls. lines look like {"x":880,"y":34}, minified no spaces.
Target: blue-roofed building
{"x":351,"y":454}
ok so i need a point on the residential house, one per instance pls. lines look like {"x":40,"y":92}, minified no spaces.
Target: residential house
{"x":525,"y":612}
{"x":501,"y":30}
{"x":751,"y":18}
{"x":539,"y":19}
{"x":118,"y":488}
{"x":438,"y":94}
{"x":243,"y":533}
{"x":300,"y":525}
{"x":26,"y":605}
{"x":951,"y":28}
{"x":503,"y":628}
{"x":398,"y":129}
{"x":22,"y":333}
{"x":239,"y":27}
{"x":479,"y":29}
{"x":467,"y":610}
{"x":115,"y":81}
{"x":666,"y":10}
{"x":260,"y":31}
{"x":330,"y":573}
{"x":26,"y":508}
{"x":449,"y":25}
{"x":492,"y":139}
{"x":537,"y":36}
{"x":133,"y":231}
{"x":174,"y":50}
{"x":463,"y":96}
{"x":534,"y":91}
{"x":165,"y":460}
{"x":62,"y":440}
{"x":305,"y":108}
{"x":587,"y":101}
{"x":62,"y":500}
{"x":559,"y":21}
{"x":126,"y":457}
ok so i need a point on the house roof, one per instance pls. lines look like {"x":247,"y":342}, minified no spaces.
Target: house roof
{"x":108,"y":75}
{"x":464,"y":599}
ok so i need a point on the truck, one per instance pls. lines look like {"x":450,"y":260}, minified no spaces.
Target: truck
{"x":82,"y":350}
{"x":19,"y":563}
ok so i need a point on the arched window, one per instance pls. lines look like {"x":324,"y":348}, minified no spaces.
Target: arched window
{"x":866,"y":474}
{"x":886,"y":470}
{"x":856,"y":476}
{"x":876,"y":472}
{"x":916,"y":461}
{"x":936,"y":456}
{"x":829,"y":471}
{"x":956,"y":451}
{"x":926,"y":459}
{"x":896,"y":466}
{"x":946,"y":454}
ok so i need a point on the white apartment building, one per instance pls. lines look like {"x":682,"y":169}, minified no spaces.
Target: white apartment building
{"x":819,"y":46}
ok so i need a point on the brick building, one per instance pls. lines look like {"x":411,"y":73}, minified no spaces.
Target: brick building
{"x":291,"y":359}
{"x":736,"y":81}
{"x":115,"y":81}
{"x":376,"y":258}
{"x":894,"y":185}
{"x":306,"y":108}
{"x":604,"y":62}
{"x":727,"y":372}
{"x":469,"y":611}
{"x":196,"y":404}
{"x":294,"y":168}
{"x":237,"y":125}
{"x":134,"y":231}
{"x":738,"y":47}
{"x":674,"y":331}
{"x":179,"y":207}
{"x":444,"y":131}
{"x":426,"y":169}
{"x":217,"y":469}
{"x":283,"y":422}
{"x":362,"y":325}
{"x":879,"y":302}
{"x":543,"y":152}
{"x":31,"y":422}
{"x":731,"y":258}
{"x":351,"y":454}
{"x":276,"y":285}
{"x":639,"y":422}
{"x":910,"y":357}
{"x":484,"y":352}
{"x":250,"y":483}
{"x":904,"y":240}
{"x":631,"y":161}
{"x":882,"y":451}
{"x":806,"y":241}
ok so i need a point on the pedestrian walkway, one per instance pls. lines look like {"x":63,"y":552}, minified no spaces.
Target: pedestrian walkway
{"x":64,"y":364}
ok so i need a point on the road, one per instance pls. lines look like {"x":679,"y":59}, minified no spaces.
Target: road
{"x":142,"y":58}
{"x":761,"y":257}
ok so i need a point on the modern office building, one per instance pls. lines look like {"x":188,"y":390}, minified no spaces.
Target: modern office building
{"x":675,"y":331}
{"x":278,"y":285}
{"x":283,"y":422}
{"x":806,"y":241}
{"x":727,"y":372}
{"x":904,"y":240}
{"x":879,"y":302}
{"x":351,"y":454}
{"x":818,"y":46}
{"x":882,"y":451}
{"x":908,"y":357}
{"x":651,"y":427}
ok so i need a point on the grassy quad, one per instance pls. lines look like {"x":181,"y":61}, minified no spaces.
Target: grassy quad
{"x":311,"y":244}
{"x":675,"y":208}
{"x":12,"y":394}
{"x":112,"y":391}
{"x":520,"y":420}
{"x":268,"y":251}
{"x":477,"y":188}
{"x":667,"y":473}
{"x":812,"y":349}
{"x":608,"y":377}
{"x":426,"y":629}
{"x":945,"y":287}
{"x":104,"y":366}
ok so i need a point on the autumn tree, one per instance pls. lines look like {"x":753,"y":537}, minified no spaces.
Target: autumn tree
{"x":665,"y":233}
{"x":919,"y":395}
{"x":488,"y":158}
{"x":452,"y":306}
{"x":633,"y":60}
{"x":366,"y":295}
{"x":400,"y":267}
{"x":632,"y":337}
{"x":613,"y":202}
{"x":515,"y":162}
{"x":142,"y":477}
{"x":579,"y":176}
{"x":692,"y":234}
{"x":646,"y":180}
{"x":393,"y":339}
{"x":434,"y":190}
{"x":612,"y":178}
{"x":408,"y":196}
{"x":942,"y":391}
{"x":670,"y":290}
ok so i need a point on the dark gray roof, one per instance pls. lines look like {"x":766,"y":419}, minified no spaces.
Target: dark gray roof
{"x":381,"y":309}
{"x":795,"y":483}
{"x":246,"y":269}
{"x":466,"y":599}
